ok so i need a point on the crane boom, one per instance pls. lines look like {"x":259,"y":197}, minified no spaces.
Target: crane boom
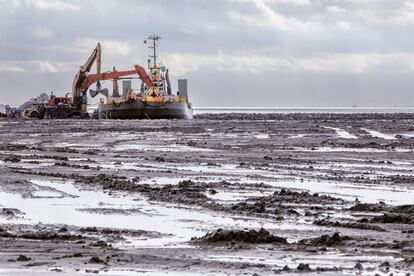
{"x":82,"y":74}
{"x":83,"y":80}
{"x":139,"y":70}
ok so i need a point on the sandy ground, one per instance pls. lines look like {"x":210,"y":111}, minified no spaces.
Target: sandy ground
{"x":334,"y":194}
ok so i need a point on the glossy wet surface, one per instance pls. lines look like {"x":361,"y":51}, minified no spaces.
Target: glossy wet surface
{"x":50,"y":178}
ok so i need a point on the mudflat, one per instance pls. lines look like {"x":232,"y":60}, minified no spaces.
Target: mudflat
{"x":238,"y":194}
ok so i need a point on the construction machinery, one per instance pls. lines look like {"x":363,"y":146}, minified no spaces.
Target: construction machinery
{"x":76,"y":105}
{"x":154,"y":100}
{"x":54,"y":107}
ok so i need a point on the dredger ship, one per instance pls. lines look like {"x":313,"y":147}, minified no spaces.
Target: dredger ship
{"x":154,"y":99}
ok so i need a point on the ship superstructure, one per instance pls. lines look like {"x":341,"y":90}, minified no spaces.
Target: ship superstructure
{"x":154,"y":99}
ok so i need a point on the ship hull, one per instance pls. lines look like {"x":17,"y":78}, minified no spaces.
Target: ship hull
{"x":145,"y":110}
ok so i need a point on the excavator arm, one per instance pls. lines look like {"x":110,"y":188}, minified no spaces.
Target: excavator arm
{"x":139,"y":70}
{"x":83,"y":80}
{"x":82,"y":75}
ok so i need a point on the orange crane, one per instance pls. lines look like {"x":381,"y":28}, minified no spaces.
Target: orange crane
{"x":92,"y":78}
{"x":76,"y":106}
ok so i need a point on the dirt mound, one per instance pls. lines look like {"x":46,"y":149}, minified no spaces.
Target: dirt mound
{"x":41,"y":236}
{"x":23,"y":258}
{"x":354,"y":225}
{"x":279,"y":202}
{"x":408,"y":262}
{"x":10,"y":213}
{"x":369,"y":207}
{"x":186,"y":192}
{"x":257,"y":207}
{"x":12,"y":159}
{"x":392,"y":218}
{"x":4,"y":233}
{"x":241,"y":236}
{"x":40,"y":232}
{"x":286,"y":195}
{"x":304,"y":268}
{"x":96,"y":260}
{"x":403,"y":214}
{"x":406,"y":209}
{"x":400,"y":179}
{"x":50,"y":236}
{"x":325,"y":240}
{"x":115,"y":231}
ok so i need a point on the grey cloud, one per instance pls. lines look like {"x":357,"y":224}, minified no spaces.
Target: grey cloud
{"x":324,"y":56}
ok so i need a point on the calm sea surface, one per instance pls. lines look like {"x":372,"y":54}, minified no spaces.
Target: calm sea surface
{"x":201,"y":110}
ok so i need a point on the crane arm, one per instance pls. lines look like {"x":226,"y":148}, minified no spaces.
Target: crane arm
{"x":95,"y":56}
{"x":84,"y":69}
{"x":92,"y":78}
{"x":143,"y":75}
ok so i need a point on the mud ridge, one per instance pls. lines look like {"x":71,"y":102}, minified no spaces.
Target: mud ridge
{"x":240,"y":236}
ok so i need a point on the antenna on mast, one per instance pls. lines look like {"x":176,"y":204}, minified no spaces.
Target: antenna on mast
{"x":155,"y":38}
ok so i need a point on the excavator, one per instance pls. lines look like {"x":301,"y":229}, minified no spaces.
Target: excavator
{"x":75,"y":106}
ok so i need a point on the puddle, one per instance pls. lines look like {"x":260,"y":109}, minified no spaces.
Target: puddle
{"x":395,"y":166}
{"x":50,"y":210}
{"x":341,"y":149}
{"x":25,"y":142}
{"x":107,"y":272}
{"x":32,"y":272}
{"x":224,"y":171}
{"x":113,"y":272}
{"x":178,"y":224}
{"x":232,"y":173}
{"x":261,"y":136}
{"x":408,"y":135}
{"x":46,"y":194}
{"x":378,"y":134}
{"x":93,"y":145}
{"x":29,"y":163}
{"x":164,"y":180}
{"x":233,"y":197}
{"x":328,"y":260}
{"x":297,"y":136}
{"x":342,"y":133}
{"x":349,"y":191}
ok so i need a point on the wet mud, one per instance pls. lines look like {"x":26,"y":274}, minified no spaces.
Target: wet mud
{"x":241,"y":194}
{"x":239,"y":236}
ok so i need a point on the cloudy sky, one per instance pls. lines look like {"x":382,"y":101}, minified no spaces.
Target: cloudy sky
{"x":233,"y":52}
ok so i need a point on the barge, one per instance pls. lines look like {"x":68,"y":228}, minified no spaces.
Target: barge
{"x":154,"y":100}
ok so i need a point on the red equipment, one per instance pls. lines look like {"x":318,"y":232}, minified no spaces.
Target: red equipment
{"x":92,"y":78}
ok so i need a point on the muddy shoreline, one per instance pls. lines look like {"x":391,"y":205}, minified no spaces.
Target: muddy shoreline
{"x":224,"y":193}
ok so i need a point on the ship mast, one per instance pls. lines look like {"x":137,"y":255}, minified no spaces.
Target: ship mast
{"x":155,"y":38}
{"x":156,"y":72}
